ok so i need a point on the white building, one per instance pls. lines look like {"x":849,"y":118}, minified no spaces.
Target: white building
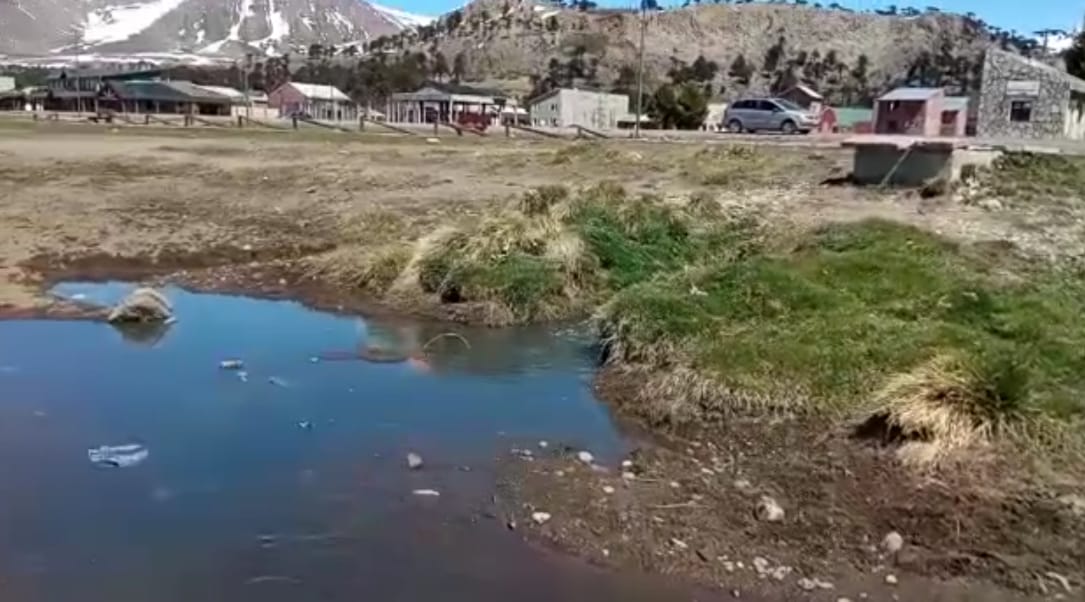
{"x":253,"y":104}
{"x":565,"y":107}
{"x":7,"y":83}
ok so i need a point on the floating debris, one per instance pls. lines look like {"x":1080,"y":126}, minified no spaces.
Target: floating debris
{"x":118,"y":456}
{"x":414,"y":461}
{"x":585,"y":457}
{"x":427,"y":492}
{"x":305,"y":425}
{"x":278,"y":382}
{"x":231,"y":364}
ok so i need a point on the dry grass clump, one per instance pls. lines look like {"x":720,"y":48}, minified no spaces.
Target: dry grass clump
{"x":356,"y":266}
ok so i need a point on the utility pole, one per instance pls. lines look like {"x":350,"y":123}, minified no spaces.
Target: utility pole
{"x":640,"y":67}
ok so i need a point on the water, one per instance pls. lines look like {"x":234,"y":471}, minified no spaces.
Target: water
{"x":238,"y":502}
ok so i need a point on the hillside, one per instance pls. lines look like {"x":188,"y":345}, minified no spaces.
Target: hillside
{"x":203,"y":27}
{"x":753,"y":46}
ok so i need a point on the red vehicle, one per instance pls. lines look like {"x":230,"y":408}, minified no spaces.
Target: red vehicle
{"x":474,"y":121}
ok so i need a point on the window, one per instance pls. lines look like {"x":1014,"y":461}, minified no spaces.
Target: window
{"x":1021,"y":111}
{"x":787,"y":104}
{"x":764,"y":105}
{"x":744,"y":104}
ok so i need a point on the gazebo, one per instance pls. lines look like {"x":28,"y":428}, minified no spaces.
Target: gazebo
{"x":443,"y":102}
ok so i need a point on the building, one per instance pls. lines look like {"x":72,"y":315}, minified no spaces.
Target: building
{"x":157,"y":96}
{"x":858,"y":120}
{"x":1024,"y":98}
{"x":252,"y":104}
{"x":78,"y":89}
{"x":446,"y":103}
{"x":565,"y":107}
{"x":804,"y":96}
{"x":12,"y":100}
{"x":911,"y":111}
{"x":7,"y":83}
{"x":314,"y":101}
{"x":955,"y":116}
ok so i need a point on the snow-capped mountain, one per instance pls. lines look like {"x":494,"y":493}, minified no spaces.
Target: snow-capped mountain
{"x":200,"y":27}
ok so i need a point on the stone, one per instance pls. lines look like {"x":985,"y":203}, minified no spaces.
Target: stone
{"x":143,"y":305}
{"x":843,"y":599}
{"x":627,"y":464}
{"x":678,"y":543}
{"x":893,"y":542}
{"x":1074,"y":503}
{"x":675,"y":484}
{"x":1063,"y":581}
{"x":760,"y":565}
{"x":543,"y":444}
{"x":780,"y":573}
{"x":743,"y":485}
{"x":540,"y":518}
{"x":736,"y":594}
{"x":807,"y":584}
{"x":891,"y":579}
{"x":585,"y":457}
{"x":607,"y":489}
{"x":628,"y":476}
{"x":769,"y":510}
{"x":426,"y":492}
{"x":990,"y":204}
{"x":728,"y":566}
{"x":414,"y":461}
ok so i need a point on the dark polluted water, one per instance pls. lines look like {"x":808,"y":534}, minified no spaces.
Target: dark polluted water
{"x":292,"y":482}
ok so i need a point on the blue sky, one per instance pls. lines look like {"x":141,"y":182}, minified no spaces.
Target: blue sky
{"x":1009,"y":14}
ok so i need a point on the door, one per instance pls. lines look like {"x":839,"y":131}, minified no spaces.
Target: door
{"x":767,"y":115}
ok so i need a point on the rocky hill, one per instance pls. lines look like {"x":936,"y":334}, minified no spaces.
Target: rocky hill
{"x":735,"y":47}
{"x":201,"y":27}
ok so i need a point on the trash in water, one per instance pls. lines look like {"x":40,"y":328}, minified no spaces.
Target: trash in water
{"x":427,"y":492}
{"x":414,"y":461}
{"x":78,"y":297}
{"x":118,"y":456}
{"x":278,"y":382}
{"x":314,"y":359}
{"x":244,"y":376}
{"x":231,"y":364}
{"x":305,"y":425}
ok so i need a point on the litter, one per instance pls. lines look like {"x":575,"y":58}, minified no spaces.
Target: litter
{"x":278,"y":382}
{"x":243,"y":376}
{"x":414,"y":461}
{"x":305,"y":425}
{"x":427,"y":492}
{"x":118,"y":456}
{"x":231,"y":364}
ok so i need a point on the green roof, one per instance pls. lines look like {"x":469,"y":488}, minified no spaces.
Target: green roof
{"x":168,"y":91}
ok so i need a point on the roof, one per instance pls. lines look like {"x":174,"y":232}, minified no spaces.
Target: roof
{"x":230,"y":93}
{"x":849,"y":117}
{"x":541,"y":97}
{"x":807,"y":90}
{"x":319,"y":91}
{"x":106,"y":73}
{"x":455,"y":88}
{"x":177,"y":91}
{"x":912,"y":94}
{"x":955,"y":103}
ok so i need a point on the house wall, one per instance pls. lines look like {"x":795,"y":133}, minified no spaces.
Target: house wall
{"x":1075,"y":117}
{"x":7,"y":83}
{"x":286,"y":100}
{"x":1008,"y":78}
{"x":595,"y":110}
{"x":954,"y":124}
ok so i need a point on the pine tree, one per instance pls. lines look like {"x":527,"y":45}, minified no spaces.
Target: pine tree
{"x":1075,"y":56}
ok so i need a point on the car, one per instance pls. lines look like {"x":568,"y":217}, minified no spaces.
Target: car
{"x":768,"y":114}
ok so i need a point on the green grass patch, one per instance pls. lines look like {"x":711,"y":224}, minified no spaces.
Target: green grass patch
{"x":829,"y":321}
{"x":1032,"y":178}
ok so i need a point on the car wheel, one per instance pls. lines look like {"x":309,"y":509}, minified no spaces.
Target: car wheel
{"x":735,"y":126}
{"x":788,"y":127}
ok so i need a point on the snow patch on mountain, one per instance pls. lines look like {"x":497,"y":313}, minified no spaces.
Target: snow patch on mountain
{"x":402,"y":18}
{"x":118,"y":23}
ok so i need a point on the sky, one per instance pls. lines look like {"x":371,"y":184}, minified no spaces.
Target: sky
{"x":1024,"y":17}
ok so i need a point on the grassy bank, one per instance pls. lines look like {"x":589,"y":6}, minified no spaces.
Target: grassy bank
{"x":944,"y":346}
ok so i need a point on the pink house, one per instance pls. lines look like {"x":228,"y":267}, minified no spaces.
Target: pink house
{"x":921,"y":112}
{"x":313,"y":101}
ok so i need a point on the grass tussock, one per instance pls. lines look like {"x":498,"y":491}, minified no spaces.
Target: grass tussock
{"x":743,"y":167}
{"x":1036,"y":178}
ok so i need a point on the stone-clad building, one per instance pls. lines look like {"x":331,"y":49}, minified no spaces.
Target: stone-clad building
{"x":1025,"y":98}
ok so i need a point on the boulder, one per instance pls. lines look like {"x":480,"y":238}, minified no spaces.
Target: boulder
{"x":142,"y":306}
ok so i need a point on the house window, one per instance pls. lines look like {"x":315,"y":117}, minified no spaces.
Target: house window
{"x":1021,"y":111}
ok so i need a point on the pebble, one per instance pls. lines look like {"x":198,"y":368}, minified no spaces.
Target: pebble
{"x":675,"y":485}
{"x":585,"y":457}
{"x":728,"y":566}
{"x":414,"y":461}
{"x":607,"y":489}
{"x":543,"y":444}
{"x":891,"y":579}
{"x":761,"y":565}
{"x":807,"y":584}
{"x":708,"y":471}
{"x":781,"y":572}
{"x":736,"y":594}
{"x":843,"y":600}
{"x":540,"y":518}
{"x":627,"y":464}
{"x":893,"y":542}
{"x":678,"y":543}
{"x":743,"y":485}
{"x":559,"y":473}
{"x":769,"y":510}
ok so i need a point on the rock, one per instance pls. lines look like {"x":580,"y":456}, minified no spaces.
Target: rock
{"x":559,"y":473}
{"x":511,"y":525}
{"x":143,"y":305}
{"x":728,"y":566}
{"x":893,"y":542}
{"x":807,"y":584}
{"x":427,"y":492}
{"x":585,"y":457}
{"x":414,"y":461}
{"x":540,"y":518}
{"x":627,"y":464}
{"x":543,"y":444}
{"x":433,"y":140}
{"x":678,"y":543}
{"x":628,"y":476}
{"x":311,"y":190}
{"x":843,"y":600}
{"x":1063,"y":581}
{"x":675,"y":485}
{"x":743,"y":485}
{"x":780,"y":573}
{"x":891,"y":579}
{"x":990,"y":205}
{"x":708,"y":471}
{"x":736,"y":594}
{"x":769,"y":510}
{"x":231,"y":364}
{"x":1074,"y":503}
{"x":760,"y":565}
{"x":607,"y":489}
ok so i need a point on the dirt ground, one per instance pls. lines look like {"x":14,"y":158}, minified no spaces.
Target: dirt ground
{"x":240,"y":212}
